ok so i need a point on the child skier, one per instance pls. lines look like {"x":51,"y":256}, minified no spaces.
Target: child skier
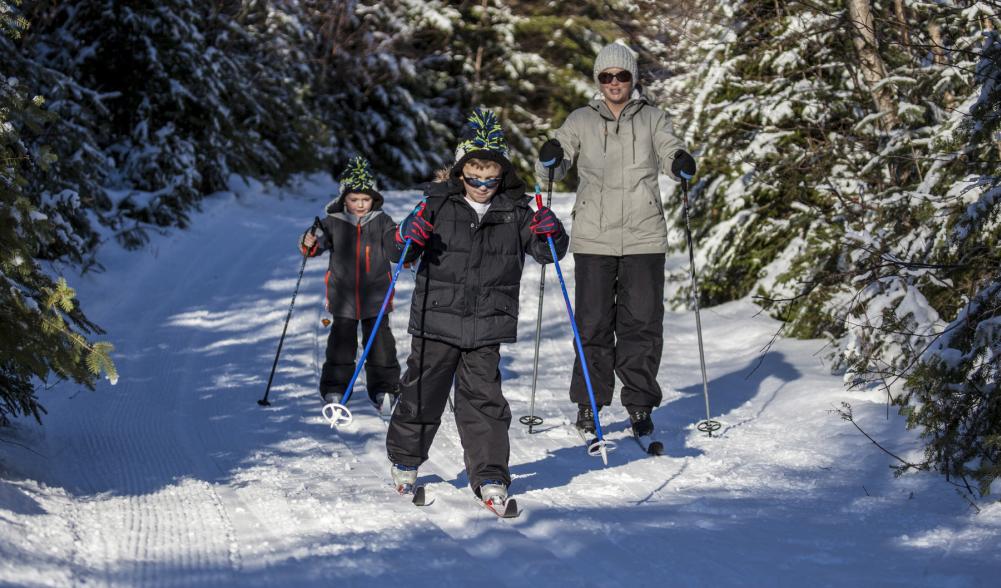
{"x":472,"y":232}
{"x":356,"y":283}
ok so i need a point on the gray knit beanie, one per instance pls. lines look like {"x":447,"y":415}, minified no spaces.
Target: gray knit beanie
{"x":616,"y":55}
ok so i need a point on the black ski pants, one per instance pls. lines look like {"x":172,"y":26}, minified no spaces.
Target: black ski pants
{"x":619,"y":305}
{"x":481,"y":412}
{"x":382,"y":369}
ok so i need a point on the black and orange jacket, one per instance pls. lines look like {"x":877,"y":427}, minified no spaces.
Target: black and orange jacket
{"x":358,"y":274}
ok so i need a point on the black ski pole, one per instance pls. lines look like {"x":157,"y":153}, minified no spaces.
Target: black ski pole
{"x":267,"y":391}
{"x":707,"y":426}
{"x":531,"y":420}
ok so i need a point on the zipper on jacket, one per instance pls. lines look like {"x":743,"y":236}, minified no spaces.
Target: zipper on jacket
{"x":358,"y":275}
{"x":326,"y":291}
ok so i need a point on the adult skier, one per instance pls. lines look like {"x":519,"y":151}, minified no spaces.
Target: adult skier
{"x":620,"y":142}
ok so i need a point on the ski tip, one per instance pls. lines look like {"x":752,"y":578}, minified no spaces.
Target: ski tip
{"x":420,"y":497}
{"x":655,"y":448}
{"x":511,"y":509}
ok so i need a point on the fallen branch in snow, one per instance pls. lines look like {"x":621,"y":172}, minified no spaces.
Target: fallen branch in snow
{"x":845,"y":412}
{"x":22,"y":446}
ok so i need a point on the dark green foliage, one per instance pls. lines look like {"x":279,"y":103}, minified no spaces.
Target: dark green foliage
{"x":42,"y":330}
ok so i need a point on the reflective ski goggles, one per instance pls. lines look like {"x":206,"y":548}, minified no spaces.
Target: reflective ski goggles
{"x":489,"y":184}
{"x":624,"y":76}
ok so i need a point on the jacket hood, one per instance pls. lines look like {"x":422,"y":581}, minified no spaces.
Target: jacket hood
{"x":337,"y":204}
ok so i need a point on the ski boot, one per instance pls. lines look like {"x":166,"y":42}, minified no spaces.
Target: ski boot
{"x":585,"y":418}
{"x":404,"y":478}
{"x":385,"y":402}
{"x":332,"y":397}
{"x":493,"y":495}
{"x":640,"y":420}
{"x":493,"y":492}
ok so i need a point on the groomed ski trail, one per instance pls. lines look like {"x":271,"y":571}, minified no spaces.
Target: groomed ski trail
{"x":177,"y":477}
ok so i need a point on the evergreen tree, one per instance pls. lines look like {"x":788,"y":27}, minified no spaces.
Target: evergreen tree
{"x":42,"y":329}
{"x":845,"y":212}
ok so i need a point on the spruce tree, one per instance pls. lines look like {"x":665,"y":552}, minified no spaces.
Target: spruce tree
{"x":43,"y":332}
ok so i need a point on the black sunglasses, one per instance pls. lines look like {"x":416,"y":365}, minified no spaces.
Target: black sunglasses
{"x":624,"y":76}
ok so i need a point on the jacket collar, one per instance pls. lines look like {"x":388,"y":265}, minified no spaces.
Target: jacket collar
{"x":635,"y":104}
{"x":354,"y":220}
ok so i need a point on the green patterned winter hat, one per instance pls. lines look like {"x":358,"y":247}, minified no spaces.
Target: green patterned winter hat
{"x":482,"y":138}
{"x":358,"y":177}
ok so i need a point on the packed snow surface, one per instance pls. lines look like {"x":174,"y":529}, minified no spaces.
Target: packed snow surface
{"x":177,"y":477}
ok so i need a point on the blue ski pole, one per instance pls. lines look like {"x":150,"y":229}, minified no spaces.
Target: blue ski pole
{"x":337,"y":413}
{"x":600,"y":446}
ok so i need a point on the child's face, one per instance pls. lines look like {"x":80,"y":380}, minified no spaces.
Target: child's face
{"x":481,"y":194}
{"x":357,"y":203}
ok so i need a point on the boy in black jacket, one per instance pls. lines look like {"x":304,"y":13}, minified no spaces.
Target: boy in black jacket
{"x":472,"y":236}
{"x":356,"y":283}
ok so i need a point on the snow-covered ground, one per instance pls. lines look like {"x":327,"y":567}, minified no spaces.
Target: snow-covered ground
{"x":177,"y":477}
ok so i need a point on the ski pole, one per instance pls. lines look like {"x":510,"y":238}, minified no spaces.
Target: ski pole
{"x":264,"y":401}
{"x":600,"y":445}
{"x":707,"y":426}
{"x":531,"y":420}
{"x":337,"y":413}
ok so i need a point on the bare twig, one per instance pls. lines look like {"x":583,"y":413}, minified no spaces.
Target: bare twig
{"x":845,"y":412}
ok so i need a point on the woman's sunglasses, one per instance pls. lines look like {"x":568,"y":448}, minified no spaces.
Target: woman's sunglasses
{"x":623,"y":76}
{"x":488,"y":184}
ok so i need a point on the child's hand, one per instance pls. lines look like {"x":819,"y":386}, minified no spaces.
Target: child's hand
{"x":415,"y":228}
{"x":545,"y":223}
{"x":308,"y":240}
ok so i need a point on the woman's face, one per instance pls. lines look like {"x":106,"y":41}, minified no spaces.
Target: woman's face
{"x":616,"y":91}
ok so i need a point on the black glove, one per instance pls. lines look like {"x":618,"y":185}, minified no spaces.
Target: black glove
{"x":551,"y":154}
{"x":683,"y":166}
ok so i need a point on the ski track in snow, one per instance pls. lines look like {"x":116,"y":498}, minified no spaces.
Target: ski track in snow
{"x":177,"y":477}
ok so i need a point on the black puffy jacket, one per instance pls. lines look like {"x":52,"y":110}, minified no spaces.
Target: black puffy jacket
{"x":467,"y":286}
{"x":358,"y":274}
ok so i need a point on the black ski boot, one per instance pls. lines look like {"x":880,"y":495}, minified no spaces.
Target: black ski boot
{"x":641,"y":421}
{"x":585,"y":418}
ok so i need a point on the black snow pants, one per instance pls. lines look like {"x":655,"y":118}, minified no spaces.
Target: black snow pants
{"x":619,"y":306}
{"x":481,"y":412}
{"x":382,"y":369}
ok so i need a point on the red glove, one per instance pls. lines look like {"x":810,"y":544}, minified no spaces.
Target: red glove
{"x":545,"y":223}
{"x":415,"y":228}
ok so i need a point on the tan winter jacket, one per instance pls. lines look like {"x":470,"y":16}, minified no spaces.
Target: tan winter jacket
{"x":618,"y":210}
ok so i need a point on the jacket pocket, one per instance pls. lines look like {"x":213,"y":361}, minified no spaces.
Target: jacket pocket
{"x":504,"y":303}
{"x":438,"y":298}
{"x":587,"y":208}
{"x":441,"y":297}
{"x":650,"y":223}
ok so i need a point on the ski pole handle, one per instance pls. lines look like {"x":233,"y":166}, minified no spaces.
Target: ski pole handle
{"x":316,"y":226}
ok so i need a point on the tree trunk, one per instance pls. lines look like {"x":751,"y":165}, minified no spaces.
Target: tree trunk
{"x":905,"y":33}
{"x":478,"y":66}
{"x":873,"y":68}
{"x":940,"y":58}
